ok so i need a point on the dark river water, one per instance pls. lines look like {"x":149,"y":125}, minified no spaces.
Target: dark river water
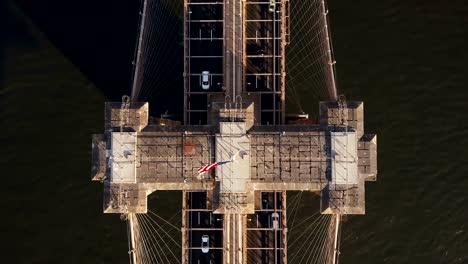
{"x":407,"y":60}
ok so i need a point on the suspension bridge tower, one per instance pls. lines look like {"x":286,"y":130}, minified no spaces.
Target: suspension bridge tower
{"x":233,"y":156}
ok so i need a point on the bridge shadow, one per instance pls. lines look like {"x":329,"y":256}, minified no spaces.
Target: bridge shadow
{"x":100,"y":40}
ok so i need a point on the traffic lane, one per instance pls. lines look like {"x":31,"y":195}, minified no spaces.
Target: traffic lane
{"x":215,"y":244}
{"x":214,"y":256}
{"x":265,"y":219}
{"x":215,"y":82}
{"x":196,"y":200}
{"x":215,"y":238}
{"x":206,"y":47}
{"x":205,"y":219}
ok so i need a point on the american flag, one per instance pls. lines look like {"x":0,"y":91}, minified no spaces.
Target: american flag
{"x":210,"y":166}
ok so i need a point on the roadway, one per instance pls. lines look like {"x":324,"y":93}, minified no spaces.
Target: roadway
{"x":263,"y":240}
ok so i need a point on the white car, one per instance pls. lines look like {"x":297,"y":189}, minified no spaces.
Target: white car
{"x":205,"y":244}
{"x":275,"y":220}
{"x":272,"y":6}
{"x":205,"y":80}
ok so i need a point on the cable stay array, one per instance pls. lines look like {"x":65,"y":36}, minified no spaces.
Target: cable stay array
{"x":156,"y":240}
{"x":312,"y":239}
{"x":159,"y":55}
{"x":309,"y":55}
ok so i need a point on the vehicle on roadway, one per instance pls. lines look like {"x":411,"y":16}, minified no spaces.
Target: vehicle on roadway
{"x":205,"y":80}
{"x":272,"y":5}
{"x":275,"y":220}
{"x":205,"y":244}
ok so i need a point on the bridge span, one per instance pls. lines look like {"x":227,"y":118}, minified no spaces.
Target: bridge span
{"x":234,"y":117}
